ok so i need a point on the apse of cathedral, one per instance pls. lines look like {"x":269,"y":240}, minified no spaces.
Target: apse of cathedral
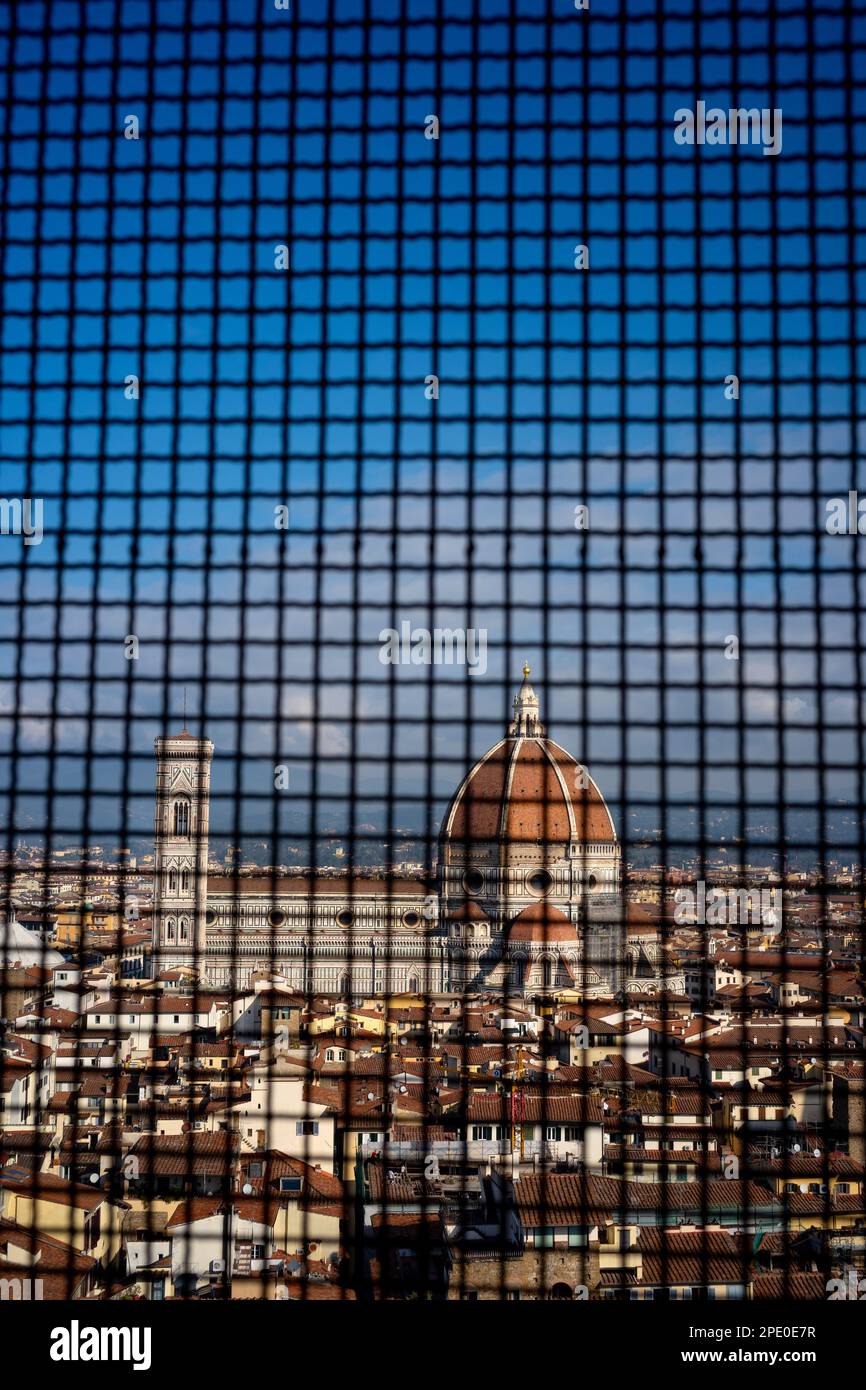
{"x":526,"y":898}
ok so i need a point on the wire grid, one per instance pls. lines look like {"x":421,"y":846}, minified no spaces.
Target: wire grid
{"x":253,"y":305}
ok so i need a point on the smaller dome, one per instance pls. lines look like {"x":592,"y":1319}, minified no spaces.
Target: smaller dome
{"x":468,"y":912}
{"x":19,"y":947}
{"x":542,"y":924}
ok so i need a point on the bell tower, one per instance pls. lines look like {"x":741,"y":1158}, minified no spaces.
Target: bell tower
{"x":183,"y":764}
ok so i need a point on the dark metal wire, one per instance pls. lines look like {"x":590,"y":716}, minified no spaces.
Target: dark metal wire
{"x":409,"y":259}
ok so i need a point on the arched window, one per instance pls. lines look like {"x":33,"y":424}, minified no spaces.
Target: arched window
{"x":169,"y":930}
{"x":172,"y":883}
{"x":182,"y":931}
{"x":181,"y":819}
{"x":184,"y":881}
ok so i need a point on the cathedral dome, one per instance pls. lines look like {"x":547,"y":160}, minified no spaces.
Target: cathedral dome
{"x":468,"y":912}
{"x":542,"y":924}
{"x":528,"y":790}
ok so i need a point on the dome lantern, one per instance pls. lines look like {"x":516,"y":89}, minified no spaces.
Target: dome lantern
{"x":526,"y":722}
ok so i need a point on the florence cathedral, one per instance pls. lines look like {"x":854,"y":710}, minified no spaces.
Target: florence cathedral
{"x":527,"y":898}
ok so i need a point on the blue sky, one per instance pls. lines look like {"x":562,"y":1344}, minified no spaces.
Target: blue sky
{"x":557,"y":387}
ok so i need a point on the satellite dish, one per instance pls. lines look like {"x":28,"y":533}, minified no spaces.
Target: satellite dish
{"x":370,"y":1095}
{"x":94,"y":1177}
{"x":248,"y":1189}
{"x":816,"y":1153}
{"x":796,"y":1148}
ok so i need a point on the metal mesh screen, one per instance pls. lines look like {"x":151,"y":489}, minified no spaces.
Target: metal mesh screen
{"x":432,"y":725}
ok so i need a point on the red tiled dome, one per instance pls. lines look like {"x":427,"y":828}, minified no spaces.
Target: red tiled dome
{"x":469,"y":911}
{"x":527,"y":790}
{"x":542,"y":924}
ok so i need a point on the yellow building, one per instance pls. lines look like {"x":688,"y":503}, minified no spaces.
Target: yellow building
{"x":80,"y":922}
{"x":814,"y":1175}
{"x":78,"y":1216}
